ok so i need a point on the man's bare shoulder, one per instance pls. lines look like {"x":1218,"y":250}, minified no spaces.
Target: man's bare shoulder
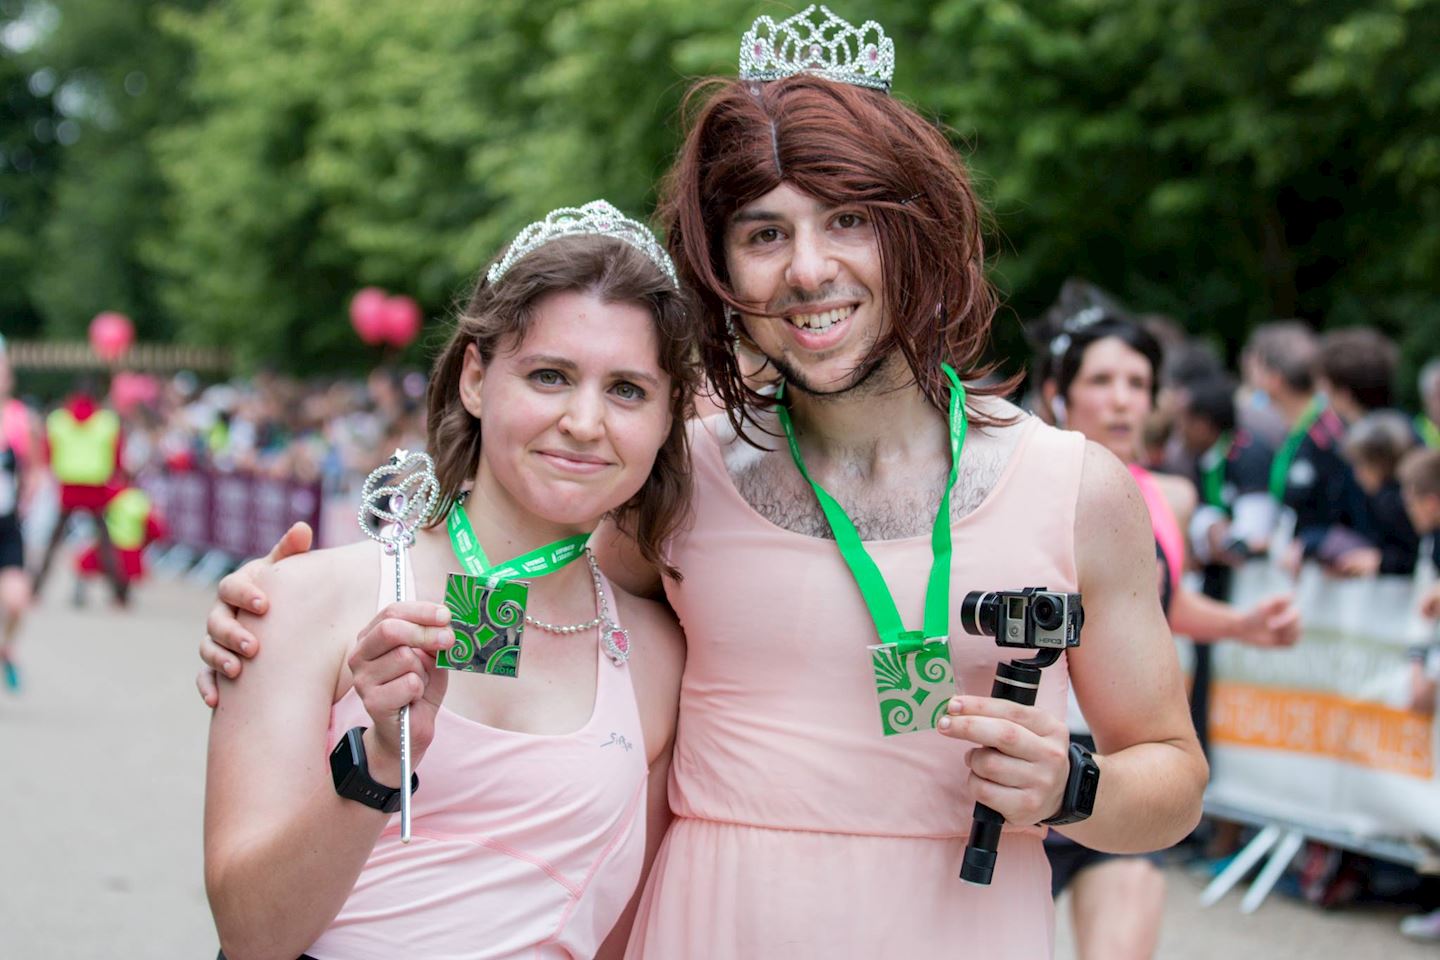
{"x":1111,"y":521}
{"x":987,"y":452}
{"x":1105,"y":483}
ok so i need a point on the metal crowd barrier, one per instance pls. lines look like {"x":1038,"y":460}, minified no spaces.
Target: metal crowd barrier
{"x":218,"y":519}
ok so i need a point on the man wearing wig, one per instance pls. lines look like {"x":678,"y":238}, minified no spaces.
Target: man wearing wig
{"x":830,"y":228}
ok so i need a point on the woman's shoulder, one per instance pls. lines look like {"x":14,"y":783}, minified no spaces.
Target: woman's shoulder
{"x":331,"y":586}
{"x":332,"y":570}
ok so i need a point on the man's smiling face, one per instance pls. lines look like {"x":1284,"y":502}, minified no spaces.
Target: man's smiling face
{"x":816,"y":267}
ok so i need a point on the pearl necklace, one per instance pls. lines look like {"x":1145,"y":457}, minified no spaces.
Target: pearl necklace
{"x":615,"y":640}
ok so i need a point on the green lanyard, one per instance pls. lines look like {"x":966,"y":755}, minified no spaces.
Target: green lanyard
{"x":1212,"y":470}
{"x":867,"y":576}
{"x":1280,"y":467}
{"x":536,"y":563}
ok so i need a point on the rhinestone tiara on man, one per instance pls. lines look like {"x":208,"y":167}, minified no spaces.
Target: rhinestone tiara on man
{"x":811,"y":107}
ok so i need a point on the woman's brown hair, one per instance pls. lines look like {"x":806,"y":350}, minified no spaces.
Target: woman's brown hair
{"x":615,"y":272}
{"x":841,"y":144}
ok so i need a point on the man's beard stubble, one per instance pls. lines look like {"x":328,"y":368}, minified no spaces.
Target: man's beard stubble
{"x":860,"y":383}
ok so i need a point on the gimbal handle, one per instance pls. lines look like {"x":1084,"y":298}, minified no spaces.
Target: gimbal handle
{"x":1017,"y":681}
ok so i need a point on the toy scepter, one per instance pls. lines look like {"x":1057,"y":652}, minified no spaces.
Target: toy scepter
{"x":398,"y":497}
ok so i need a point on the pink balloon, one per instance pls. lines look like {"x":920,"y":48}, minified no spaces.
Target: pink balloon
{"x":402,"y":320}
{"x":111,"y":334}
{"x":130,"y":390}
{"x":367,"y":314}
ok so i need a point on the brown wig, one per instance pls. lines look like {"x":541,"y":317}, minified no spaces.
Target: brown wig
{"x":841,"y":144}
{"x":615,"y":272}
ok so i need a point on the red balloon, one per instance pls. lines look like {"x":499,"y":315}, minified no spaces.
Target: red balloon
{"x":367,"y":314}
{"x":402,"y":320}
{"x":111,"y":334}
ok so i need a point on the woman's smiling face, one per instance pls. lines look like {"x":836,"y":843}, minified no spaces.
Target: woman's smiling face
{"x":572,"y":415}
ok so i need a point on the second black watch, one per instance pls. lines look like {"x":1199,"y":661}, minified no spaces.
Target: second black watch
{"x":352,"y":775}
{"x":1079,"y":800}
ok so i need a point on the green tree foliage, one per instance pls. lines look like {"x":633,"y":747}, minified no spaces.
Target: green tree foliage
{"x":116,"y":78}
{"x":1221,"y":161}
{"x":29,"y":159}
{"x":400,"y":143}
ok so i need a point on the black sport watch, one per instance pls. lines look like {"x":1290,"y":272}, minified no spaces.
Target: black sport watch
{"x":352,"y":775}
{"x":1079,"y":800}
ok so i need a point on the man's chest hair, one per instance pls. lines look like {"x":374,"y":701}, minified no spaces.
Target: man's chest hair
{"x":775,"y":490}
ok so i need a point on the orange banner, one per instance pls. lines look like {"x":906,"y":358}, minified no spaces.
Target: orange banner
{"x":1323,"y":724}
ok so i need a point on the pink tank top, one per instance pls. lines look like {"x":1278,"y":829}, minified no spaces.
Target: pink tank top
{"x":522,"y":845}
{"x":1168,"y":536}
{"x":15,"y":428}
{"x":779,"y":726}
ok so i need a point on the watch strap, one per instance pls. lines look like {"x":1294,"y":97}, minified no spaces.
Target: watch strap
{"x":351,"y":774}
{"x":1078,"y":801}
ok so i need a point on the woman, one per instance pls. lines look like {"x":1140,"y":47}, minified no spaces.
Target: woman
{"x":1102,"y":383}
{"x":573,"y":359}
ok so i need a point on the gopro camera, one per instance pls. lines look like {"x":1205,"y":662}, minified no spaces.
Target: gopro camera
{"x":1033,"y":617}
{"x":1037,"y":618}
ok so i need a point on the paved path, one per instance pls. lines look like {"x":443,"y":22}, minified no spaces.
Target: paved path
{"x":101,"y":781}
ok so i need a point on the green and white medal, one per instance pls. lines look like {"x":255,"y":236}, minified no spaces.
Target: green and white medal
{"x":487,"y":604}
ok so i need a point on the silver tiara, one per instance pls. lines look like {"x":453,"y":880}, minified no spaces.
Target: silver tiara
{"x":1079,"y":322}
{"x":830,"y":48}
{"x":596,"y":218}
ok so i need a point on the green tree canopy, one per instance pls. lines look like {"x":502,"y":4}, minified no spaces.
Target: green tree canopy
{"x":1219,"y":161}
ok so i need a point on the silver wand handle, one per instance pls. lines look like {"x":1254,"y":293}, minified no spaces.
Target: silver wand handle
{"x":402,"y":493}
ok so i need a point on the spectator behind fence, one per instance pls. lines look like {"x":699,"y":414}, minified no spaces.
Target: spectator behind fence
{"x":1079,"y":303}
{"x":1355,"y":369}
{"x":1420,"y":486}
{"x":1375,"y":445}
{"x":1232,"y":474}
{"x":1255,"y":411}
{"x":1187,"y":360}
{"x":1427,"y":421}
{"x":1308,"y":475}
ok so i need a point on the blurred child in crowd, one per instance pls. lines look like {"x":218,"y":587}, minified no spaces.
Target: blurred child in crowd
{"x":1375,"y":445}
{"x":1232,"y":474}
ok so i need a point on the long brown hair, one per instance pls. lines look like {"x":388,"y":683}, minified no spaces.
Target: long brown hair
{"x":841,"y":144}
{"x":615,"y":272}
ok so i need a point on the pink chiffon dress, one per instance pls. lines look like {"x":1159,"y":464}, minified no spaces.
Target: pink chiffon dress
{"x":801,"y":831}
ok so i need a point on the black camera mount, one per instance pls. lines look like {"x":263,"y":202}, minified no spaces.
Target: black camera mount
{"x":1017,"y":681}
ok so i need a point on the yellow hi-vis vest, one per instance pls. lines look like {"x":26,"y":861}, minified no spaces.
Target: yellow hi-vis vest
{"x":82,"y":454}
{"x":125,"y":518}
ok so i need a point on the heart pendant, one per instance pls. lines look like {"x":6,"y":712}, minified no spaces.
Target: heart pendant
{"x":616,"y":643}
